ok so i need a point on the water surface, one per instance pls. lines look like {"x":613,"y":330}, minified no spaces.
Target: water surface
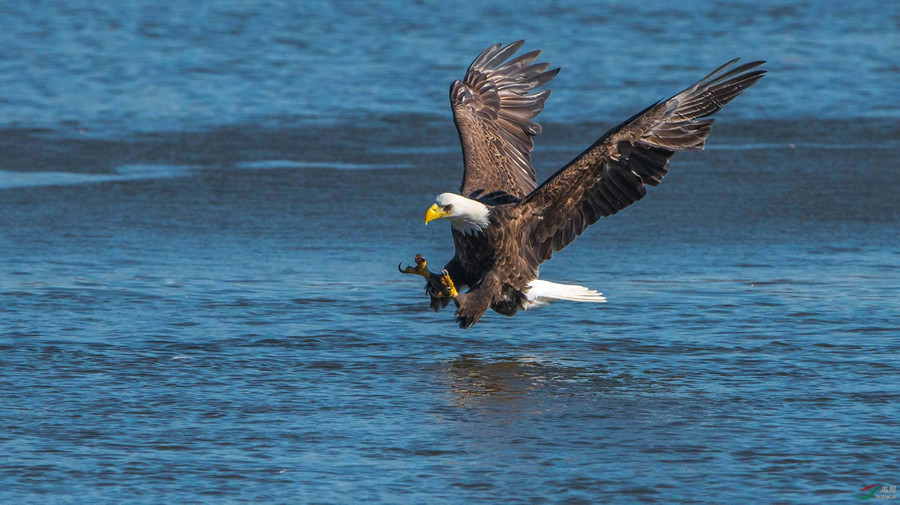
{"x":203,"y":209}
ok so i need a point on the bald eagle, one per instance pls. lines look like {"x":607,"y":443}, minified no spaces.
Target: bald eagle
{"x":504,"y":225}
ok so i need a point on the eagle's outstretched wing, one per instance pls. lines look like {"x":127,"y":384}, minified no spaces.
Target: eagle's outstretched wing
{"x":493,"y":113}
{"x":611,"y":174}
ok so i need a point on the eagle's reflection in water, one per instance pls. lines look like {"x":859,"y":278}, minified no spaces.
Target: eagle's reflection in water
{"x":508,"y":381}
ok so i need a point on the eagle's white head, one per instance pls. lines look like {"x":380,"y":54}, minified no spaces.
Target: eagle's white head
{"x":465,"y":215}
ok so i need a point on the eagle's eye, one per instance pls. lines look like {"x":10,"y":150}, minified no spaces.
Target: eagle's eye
{"x":448,"y":208}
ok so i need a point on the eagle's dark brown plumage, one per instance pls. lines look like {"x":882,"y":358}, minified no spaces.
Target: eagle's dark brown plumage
{"x":494,"y":112}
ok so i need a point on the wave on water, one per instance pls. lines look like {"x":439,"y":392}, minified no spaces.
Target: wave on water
{"x":279,"y":164}
{"x":10,"y":179}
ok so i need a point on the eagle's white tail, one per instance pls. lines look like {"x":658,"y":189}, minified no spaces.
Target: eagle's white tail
{"x":544,"y":292}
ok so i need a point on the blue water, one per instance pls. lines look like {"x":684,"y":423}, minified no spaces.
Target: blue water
{"x":203,"y":207}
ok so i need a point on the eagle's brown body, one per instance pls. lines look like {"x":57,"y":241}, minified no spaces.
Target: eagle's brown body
{"x":496,"y":264}
{"x":493,"y":111}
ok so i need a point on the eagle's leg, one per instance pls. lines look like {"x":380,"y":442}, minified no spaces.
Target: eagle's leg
{"x":471,"y":306}
{"x":419,"y":269}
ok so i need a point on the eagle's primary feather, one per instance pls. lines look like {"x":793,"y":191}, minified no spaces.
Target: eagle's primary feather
{"x":494,"y":113}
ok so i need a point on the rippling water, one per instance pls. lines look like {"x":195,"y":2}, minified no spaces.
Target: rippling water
{"x":204,"y":206}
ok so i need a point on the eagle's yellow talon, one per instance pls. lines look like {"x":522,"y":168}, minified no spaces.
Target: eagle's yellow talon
{"x":419,"y":269}
{"x":449,"y":287}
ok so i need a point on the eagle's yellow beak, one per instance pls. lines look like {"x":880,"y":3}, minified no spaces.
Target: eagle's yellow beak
{"x":434,"y":213}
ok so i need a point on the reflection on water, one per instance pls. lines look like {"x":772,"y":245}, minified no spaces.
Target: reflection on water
{"x":475,"y":381}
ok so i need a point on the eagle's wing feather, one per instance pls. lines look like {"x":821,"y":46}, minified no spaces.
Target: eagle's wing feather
{"x":612,"y":173}
{"x":494,"y":115}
